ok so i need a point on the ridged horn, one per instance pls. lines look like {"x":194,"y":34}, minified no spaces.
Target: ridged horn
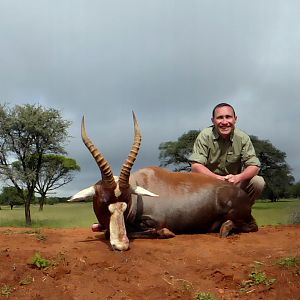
{"x":105,"y":168}
{"x":127,"y":166}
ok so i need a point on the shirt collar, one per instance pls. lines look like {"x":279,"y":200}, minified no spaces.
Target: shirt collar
{"x":217,"y":135}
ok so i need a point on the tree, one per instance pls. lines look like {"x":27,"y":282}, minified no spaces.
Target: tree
{"x":294,"y":190}
{"x":10,"y":196}
{"x":56,"y":171}
{"x":27,"y":131}
{"x":274,"y":168}
{"x":176,"y":153}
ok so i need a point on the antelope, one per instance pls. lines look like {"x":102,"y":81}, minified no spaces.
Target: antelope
{"x":156,"y":203}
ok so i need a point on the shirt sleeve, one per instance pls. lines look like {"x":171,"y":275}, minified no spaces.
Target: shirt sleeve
{"x":200,"y":150}
{"x":248,"y":154}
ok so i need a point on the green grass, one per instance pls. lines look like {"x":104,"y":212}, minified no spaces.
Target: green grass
{"x":40,"y":262}
{"x":289,"y":262}
{"x":64,"y":215}
{"x":71,"y":215}
{"x":205,"y":296}
{"x":256,"y":278}
{"x":6,"y":290}
{"x":274,"y":213}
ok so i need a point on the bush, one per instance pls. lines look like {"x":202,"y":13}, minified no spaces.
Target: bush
{"x":40,"y":262}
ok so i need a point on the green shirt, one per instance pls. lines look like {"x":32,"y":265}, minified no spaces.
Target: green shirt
{"x":222,"y":156}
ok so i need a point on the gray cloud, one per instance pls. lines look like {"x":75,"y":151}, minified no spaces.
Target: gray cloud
{"x":169,"y":61}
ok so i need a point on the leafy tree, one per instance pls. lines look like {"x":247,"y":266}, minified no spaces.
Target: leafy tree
{"x":56,"y":171}
{"x":176,"y":153}
{"x":294,"y":190}
{"x":10,"y":196}
{"x":274,"y":169}
{"x":28,"y":131}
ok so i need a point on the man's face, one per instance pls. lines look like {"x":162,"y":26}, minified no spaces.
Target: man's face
{"x":224,"y":121}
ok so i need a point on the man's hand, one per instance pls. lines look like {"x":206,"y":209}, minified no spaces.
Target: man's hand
{"x":234,"y":179}
{"x":220,"y":177}
{"x":247,"y":174}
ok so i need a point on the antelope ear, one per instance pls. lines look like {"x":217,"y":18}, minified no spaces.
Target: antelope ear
{"x":138,"y":190}
{"x":83,"y":194}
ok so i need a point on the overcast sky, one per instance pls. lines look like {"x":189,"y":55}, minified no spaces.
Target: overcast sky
{"x":169,"y":61}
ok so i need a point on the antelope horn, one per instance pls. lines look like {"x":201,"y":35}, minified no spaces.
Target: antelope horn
{"x":127,"y":166}
{"x":105,"y":168}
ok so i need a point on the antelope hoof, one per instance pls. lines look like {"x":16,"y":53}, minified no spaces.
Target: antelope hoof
{"x":165,"y":233}
{"x":226,"y":228}
{"x":96,"y":227}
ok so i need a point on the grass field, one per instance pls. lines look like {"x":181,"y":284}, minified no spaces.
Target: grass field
{"x":280,"y":212}
{"x":68,"y":215}
{"x":64,"y":215}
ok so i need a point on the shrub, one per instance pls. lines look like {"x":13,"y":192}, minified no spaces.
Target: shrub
{"x":40,"y":262}
{"x":205,"y":296}
{"x":6,"y":290}
{"x":289,"y":262}
{"x":256,"y":278}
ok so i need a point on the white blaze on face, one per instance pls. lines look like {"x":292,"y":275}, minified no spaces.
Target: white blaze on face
{"x":118,"y":235}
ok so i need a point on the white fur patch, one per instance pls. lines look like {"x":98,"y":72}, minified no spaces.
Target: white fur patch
{"x":117,"y":229}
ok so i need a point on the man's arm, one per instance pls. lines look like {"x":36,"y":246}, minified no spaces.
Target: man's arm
{"x":246,"y":174}
{"x":199,"y":168}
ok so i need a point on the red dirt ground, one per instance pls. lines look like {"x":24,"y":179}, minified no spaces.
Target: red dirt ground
{"x":180,"y":268}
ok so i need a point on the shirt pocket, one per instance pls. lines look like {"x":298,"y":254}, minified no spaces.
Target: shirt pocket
{"x":233,"y":158}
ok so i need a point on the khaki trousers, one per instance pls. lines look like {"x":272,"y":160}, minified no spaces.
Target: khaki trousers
{"x":253,"y":187}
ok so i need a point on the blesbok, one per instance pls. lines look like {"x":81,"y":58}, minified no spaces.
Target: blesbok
{"x":182,"y":203}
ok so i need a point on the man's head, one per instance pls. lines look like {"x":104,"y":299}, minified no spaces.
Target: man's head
{"x":224,"y":119}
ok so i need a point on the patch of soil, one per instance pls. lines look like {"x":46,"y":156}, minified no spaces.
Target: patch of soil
{"x":85,"y":267}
